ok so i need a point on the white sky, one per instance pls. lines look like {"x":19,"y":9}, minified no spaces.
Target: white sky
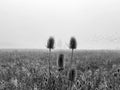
{"x":29,"y":23}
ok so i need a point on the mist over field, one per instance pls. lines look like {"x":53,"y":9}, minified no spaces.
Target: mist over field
{"x":29,"y":23}
{"x":59,"y":44}
{"x":42,"y":54}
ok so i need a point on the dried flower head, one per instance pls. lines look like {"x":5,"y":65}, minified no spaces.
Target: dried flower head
{"x":73,"y":43}
{"x":50,"y":43}
{"x":72,"y":74}
{"x":61,"y":62}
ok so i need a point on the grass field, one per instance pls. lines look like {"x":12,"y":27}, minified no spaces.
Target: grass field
{"x":28,"y":70}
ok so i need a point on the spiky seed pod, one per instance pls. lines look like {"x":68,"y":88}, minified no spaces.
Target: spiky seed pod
{"x":61,"y":62}
{"x":73,"y":43}
{"x":50,"y":43}
{"x":72,"y":75}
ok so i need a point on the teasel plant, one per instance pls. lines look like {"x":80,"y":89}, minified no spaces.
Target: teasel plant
{"x":72,"y":46}
{"x":72,"y":76}
{"x":60,"y":65}
{"x":61,"y":62}
{"x":50,"y":46}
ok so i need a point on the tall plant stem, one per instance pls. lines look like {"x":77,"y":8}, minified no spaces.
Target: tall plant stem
{"x":49,"y":60}
{"x":72,"y":57}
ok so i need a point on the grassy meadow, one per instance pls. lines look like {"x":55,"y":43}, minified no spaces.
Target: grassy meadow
{"x":28,"y":70}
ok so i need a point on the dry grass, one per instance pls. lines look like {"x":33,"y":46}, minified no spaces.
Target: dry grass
{"x":28,"y":70}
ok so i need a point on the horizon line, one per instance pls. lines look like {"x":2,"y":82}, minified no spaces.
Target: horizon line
{"x":56,"y":49}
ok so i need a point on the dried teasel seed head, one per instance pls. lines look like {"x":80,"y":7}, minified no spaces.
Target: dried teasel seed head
{"x":50,"y":43}
{"x":72,"y":75}
{"x":73,"y":43}
{"x":61,"y":62}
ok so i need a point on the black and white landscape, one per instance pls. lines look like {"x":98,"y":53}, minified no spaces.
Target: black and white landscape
{"x":59,"y":44}
{"x":28,"y":70}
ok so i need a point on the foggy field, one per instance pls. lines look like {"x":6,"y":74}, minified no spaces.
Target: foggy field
{"x":28,"y":70}
{"x":59,"y":44}
{"x":80,"y":56}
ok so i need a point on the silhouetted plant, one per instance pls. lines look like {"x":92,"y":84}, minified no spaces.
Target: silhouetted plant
{"x":50,"y":45}
{"x":61,"y":62}
{"x":72,"y":45}
{"x":60,"y":68}
{"x":72,"y":76}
